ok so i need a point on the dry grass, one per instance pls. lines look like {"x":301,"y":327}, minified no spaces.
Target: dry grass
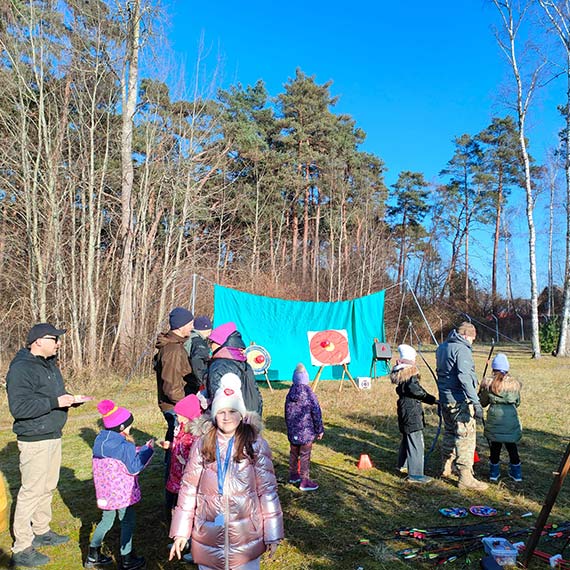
{"x":323,"y":529}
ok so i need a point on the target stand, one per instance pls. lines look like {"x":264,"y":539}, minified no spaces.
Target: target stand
{"x":330,"y":348}
{"x":259,"y":359}
{"x":345,"y":375}
{"x":381,"y":352}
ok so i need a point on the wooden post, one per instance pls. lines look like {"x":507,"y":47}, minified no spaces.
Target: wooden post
{"x":317,"y":378}
{"x":559,"y":477}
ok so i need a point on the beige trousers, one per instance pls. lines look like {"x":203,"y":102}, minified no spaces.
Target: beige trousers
{"x":39,"y":470}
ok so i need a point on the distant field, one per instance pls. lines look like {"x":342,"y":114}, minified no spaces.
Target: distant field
{"x":349,"y":522}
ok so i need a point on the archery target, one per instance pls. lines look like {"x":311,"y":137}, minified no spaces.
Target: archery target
{"x":329,"y":347}
{"x":258,"y":358}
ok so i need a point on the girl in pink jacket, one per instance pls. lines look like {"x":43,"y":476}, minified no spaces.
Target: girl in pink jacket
{"x":228,"y":502}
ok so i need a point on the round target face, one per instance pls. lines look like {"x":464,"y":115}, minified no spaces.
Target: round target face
{"x":258,"y":358}
{"x":329,"y":348}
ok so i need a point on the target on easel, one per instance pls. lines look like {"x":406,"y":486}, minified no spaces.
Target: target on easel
{"x":330,"y":348}
{"x":259,"y":359}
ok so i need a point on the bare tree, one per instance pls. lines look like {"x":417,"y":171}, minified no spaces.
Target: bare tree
{"x":513,"y":14}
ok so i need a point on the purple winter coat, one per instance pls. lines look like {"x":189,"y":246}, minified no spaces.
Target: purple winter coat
{"x":116,"y":466}
{"x":302,"y":415}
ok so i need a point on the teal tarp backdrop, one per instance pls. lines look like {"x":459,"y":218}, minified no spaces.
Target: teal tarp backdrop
{"x":281,"y":327}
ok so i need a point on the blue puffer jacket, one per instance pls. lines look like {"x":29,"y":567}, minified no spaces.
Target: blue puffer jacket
{"x":302,"y":415}
{"x":456,"y":379}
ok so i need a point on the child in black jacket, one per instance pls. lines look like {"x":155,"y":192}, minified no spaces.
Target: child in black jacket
{"x":411,"y":394}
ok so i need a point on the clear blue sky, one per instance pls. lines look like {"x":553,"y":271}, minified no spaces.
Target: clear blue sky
{"x":412,"y":74}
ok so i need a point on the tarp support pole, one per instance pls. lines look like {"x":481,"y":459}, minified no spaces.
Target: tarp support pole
{"x":421,"y":312}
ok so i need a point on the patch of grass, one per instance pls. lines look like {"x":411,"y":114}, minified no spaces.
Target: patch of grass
{"x":325,"y":529}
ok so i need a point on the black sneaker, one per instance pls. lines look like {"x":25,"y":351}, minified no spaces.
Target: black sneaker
{"x":29,"y":558}
{"x":49,"y":538}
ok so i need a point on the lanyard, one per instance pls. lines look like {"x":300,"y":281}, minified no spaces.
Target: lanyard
{"x":223,"y":470}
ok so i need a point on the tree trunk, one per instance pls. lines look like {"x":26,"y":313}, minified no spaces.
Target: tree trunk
{"x":129,"y":85}
{"x":496,"y":237}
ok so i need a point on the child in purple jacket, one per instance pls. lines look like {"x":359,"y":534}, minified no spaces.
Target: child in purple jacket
{"x":117,"y":462}
{"x":304,"y":425}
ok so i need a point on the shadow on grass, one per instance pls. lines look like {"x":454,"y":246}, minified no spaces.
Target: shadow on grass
{"x":351,"y":505}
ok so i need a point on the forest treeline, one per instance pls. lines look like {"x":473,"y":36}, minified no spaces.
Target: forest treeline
{"x":115,"y":190}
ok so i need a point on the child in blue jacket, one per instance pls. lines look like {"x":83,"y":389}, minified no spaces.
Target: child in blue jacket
{"x":304,"y":424}
{"x":117,"y":463}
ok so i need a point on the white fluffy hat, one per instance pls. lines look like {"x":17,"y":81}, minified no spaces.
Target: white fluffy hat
{"x":228,"y":395}
{"x":406,"y":357}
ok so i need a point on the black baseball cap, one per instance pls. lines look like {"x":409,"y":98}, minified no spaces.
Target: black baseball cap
{"x":42,"y":329}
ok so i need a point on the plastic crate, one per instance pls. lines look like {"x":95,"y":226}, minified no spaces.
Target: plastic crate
{"x":501,"y":550}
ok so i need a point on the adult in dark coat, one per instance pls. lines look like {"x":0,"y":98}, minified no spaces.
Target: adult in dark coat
{"x":198,"y":351}
{"x":406,"y":376}
{"x":39,"y":404}
{"x":228,"y":355}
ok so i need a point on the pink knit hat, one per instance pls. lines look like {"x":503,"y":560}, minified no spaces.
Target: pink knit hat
{"x":220,"y":334}
{"x":114,"y":417}
{"x":188,"y":407}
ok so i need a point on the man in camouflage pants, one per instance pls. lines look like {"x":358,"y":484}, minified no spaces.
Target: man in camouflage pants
{"x":460,"y":406}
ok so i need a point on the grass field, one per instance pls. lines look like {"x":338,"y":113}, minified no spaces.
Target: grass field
{"x":349,"y":522}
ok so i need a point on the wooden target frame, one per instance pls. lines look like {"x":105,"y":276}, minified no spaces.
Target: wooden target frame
{"x":330,"y":348}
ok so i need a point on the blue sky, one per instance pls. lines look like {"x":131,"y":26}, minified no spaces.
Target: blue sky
{"x":412,"y":74}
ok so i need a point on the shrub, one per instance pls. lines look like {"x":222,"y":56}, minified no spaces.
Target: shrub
{"x":548,"y":333}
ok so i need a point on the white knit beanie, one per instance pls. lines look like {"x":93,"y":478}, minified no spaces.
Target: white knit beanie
{"x":406,"y":357}
{"x":228,"y":395}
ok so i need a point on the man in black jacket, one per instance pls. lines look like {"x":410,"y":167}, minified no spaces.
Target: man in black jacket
{"x":198,"y":351}
{"x":39,"y":403}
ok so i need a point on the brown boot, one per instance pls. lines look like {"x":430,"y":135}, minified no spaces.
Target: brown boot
{"x":449,"y":468}
{"x":467,"y":481}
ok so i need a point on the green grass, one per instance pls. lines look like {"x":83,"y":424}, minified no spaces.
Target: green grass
{"x":323,"y":529}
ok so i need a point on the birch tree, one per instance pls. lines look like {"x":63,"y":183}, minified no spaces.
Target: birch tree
{"x":558,"y":14}
{"x":512,"y":15}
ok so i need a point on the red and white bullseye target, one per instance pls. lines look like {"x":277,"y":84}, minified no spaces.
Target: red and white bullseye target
{"x":329,"y":348}
{"x":258,"y":358}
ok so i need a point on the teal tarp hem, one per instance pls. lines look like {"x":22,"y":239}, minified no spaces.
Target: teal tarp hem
{"x":281,"y":327}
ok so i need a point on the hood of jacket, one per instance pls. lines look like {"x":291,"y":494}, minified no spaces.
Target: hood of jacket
{"x":230,"y":353}
{"x":169,"y":337}
{"x":235,"y":341}
{"x":296,"y":391}
{"x":404,"y":374}
{"x":455,"y":337}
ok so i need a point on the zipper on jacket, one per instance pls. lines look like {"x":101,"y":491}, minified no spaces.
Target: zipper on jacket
{"x":227,"y":531}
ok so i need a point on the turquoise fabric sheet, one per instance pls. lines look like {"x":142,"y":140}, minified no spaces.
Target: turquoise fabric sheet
{"x":281,"y":327}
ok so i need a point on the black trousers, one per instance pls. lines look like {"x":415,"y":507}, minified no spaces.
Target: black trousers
{"x":512,"y":448}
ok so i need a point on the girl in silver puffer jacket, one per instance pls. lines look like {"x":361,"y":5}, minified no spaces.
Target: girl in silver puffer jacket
{"x":228,"y":502}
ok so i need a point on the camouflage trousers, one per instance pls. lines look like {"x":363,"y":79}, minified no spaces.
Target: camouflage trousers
{"x":459,"y":434}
